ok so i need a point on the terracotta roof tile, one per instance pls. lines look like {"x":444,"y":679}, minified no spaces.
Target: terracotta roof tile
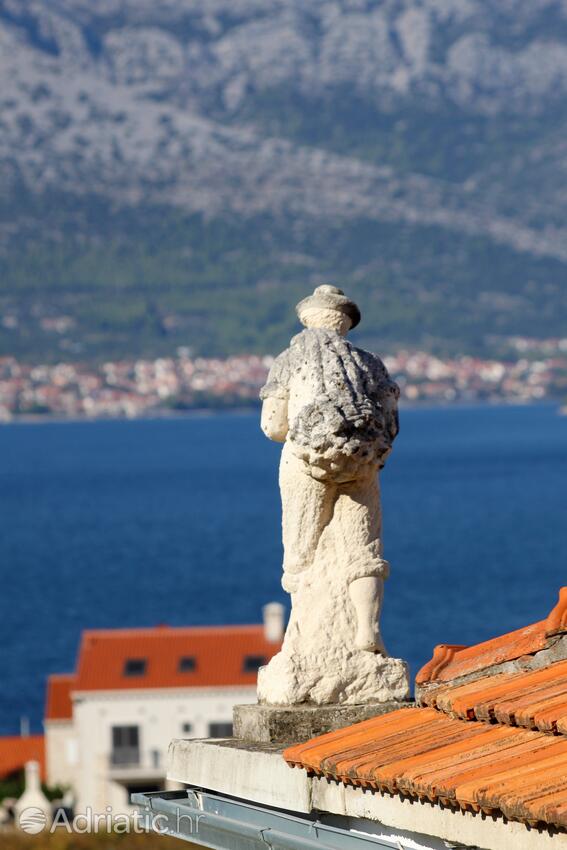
{"x":562,"y":723}
{"x":218,"y":655}
{"x":496,"y":744}
{"x":534,"y":711}
{"x":425,"y":754}
{"x":16,"y":751}
{"x":58,"y":705}
{"x":516,"y":789}
{"x":450,"y":662}
{"x":536,"y":700}
{"x":495,"y":747}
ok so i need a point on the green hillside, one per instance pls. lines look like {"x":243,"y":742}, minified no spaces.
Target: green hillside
{"x":143,"y":284}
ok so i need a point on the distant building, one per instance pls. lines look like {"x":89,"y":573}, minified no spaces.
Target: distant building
{"x":61,"y":745}
{"x":108,"y":726}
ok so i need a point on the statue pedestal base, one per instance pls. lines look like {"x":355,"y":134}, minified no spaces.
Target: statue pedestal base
{"x":273,"y":724}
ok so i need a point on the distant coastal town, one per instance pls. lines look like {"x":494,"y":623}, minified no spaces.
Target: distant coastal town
{"x":139,"y":387}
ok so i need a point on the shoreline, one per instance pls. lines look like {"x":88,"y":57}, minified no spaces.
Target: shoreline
{"x":56,"y":419}
{"x":209,"y":412}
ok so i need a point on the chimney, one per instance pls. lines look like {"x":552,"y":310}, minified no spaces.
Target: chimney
{"x":33,"y":809}
{"x":33,"y":784}
{"x":273,"y":614}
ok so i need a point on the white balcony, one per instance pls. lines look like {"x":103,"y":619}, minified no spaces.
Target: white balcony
{"x":132,"y":763}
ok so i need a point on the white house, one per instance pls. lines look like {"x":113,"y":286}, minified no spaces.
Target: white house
{"x":108,"y":725}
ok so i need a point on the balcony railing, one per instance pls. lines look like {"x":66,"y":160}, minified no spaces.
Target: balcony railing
{"x":125,"y":757}
{"x":132,"y":758}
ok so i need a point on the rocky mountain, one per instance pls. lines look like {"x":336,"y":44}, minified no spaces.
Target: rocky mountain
{"x":178,"y":172}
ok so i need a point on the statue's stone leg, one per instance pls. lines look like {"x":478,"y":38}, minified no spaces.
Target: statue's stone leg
{"x":366,"y":595}
{"x":320,"y":662}
{"x":359,"y":532}
{"x":307,"y":507}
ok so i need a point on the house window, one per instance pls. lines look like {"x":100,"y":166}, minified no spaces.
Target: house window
{"x":220,"y":730}
{"x":252,"y":663}
{"x":125,"y":746}
{"x":186,"y":728}
{"x":187,"y":664}
{"x":135,"y":667}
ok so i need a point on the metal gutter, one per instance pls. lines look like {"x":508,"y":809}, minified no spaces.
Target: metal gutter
{"x":225,"y":823}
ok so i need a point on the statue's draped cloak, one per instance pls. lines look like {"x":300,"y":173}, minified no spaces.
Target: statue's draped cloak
{"x":342,"y":404}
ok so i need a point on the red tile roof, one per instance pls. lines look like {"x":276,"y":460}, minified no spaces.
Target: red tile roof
{"x":58,"y":705}
{"x":450,"y":662}
{"x":219,"y":654}
{"x":16,"y":751}
{"x":424,"y":754}
{"x":497,"y":743}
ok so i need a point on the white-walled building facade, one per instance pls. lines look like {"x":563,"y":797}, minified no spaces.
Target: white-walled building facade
{"x":108,"y":726}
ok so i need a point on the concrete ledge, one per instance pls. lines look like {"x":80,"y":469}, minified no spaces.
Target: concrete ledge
{"x":258,"y":773}
{"x":293,"y":724}
{"x":252,"y":772}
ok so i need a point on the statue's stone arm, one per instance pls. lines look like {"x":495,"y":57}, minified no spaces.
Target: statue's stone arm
{"x":274,"y":395}
{"x":274,"y":422}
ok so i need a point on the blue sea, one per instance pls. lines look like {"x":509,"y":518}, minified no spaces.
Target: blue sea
{"x":110,"y":524}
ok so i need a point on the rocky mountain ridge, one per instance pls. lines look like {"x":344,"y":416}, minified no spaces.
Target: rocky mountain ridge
{"x":437,"y":116}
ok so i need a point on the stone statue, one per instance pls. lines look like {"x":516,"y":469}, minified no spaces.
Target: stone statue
{"x":334,"y":407}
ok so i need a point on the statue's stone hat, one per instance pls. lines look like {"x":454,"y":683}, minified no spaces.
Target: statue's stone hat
{"x":332,"y":298}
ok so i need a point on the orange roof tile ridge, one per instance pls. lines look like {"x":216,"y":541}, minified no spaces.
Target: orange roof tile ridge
{"x":554,"y":653}
{"x":453,"y":663}
{"x":557,"y":620}
{"x":501,"y":649}
{"x":443,"y":654}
